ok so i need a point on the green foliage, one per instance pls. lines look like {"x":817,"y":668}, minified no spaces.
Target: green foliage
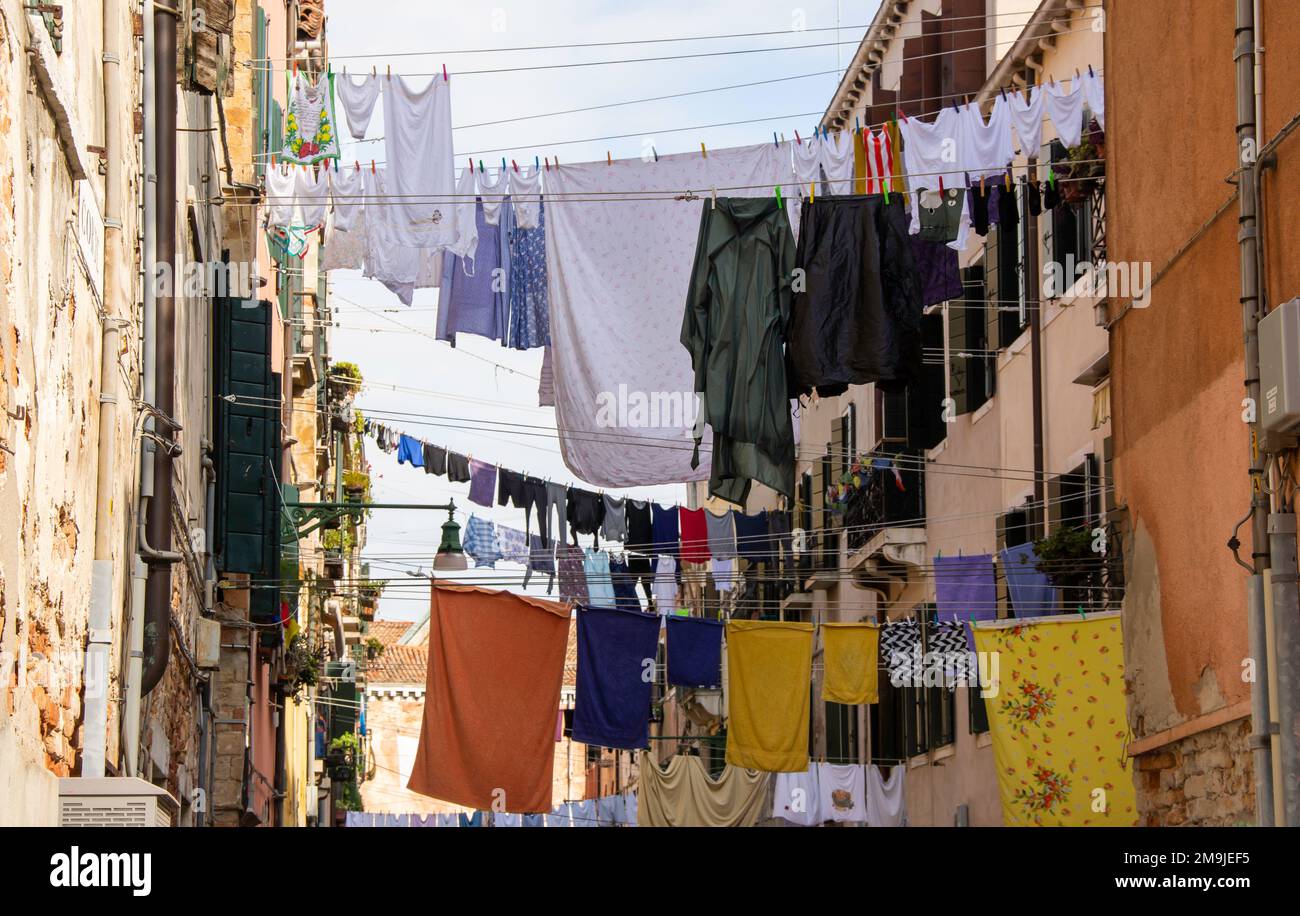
{"x":1066,"y":557}
{"x":303,"y":662}
{"x":349,"y":796}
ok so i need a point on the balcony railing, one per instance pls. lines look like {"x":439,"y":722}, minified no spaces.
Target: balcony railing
{"x":892,"y":497}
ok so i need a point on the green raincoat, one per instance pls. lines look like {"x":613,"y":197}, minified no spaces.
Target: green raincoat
{"x":737,"y":311}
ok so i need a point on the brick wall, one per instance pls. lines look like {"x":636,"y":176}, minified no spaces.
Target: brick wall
{"x":1205,"y":780}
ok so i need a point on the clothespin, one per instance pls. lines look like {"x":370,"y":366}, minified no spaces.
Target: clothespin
{"x":1051,"y":176}
{"x":1076,"y":74}
{"x":774,"y":143}
{"x":372,"y":167}
{"x":1081,"y":613}
{"x":608,"y":159}
{"x":885,"y":186}
{"x":798,"y":139}
{"x":482,"y":170}
{"x":779,"y":202}
{"x":390,"y":71}
{"x":981,"y":186}
{"x":703,"y":152}
{"x":557,"y":161}
{"x":471,"y":165}
{"x":445,"y":78}
{"x":715,"y":198}
{"x":357,"y":164}
{"x":812,"y":191}
{"x":374,"y":71}
{"x":503,"y":163}
{"x":536,"y":165}
{"x":516,"y":166}
{"x":941,"y":186}
{"x":656,"y":152}
{"x":1090,"y":73}
{"x":1004,"y":93}
{"x":857,"y":126}
{"x":548,"y":163}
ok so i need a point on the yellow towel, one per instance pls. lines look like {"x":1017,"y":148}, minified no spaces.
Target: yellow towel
{"x":1058,"y":721}
{"x":851,"y":655}
{"x":769,"y":666}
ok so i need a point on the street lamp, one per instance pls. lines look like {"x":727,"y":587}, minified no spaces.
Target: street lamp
{"x":450,"y":554}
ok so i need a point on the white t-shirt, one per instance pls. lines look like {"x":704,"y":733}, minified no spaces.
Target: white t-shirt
{"x":885,"y":797}
{"x":796,"y":799}
{"x":1066,"y":109}
{"x":842,"y":791}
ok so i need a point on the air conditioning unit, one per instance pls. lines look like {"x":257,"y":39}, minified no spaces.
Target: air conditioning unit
{"x":114,"y":802}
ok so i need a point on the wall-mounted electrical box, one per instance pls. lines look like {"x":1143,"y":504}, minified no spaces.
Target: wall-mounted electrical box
{"x":1279,"y":376}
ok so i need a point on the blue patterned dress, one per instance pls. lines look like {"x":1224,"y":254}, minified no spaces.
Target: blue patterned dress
{"x":530,"y":321}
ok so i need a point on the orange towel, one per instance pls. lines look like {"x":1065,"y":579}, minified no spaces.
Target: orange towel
{"x":496,"y":662}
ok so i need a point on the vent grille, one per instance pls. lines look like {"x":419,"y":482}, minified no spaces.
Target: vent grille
{"x":126,"y":812}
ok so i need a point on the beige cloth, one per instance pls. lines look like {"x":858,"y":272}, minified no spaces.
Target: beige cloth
{"x":684,"y":795}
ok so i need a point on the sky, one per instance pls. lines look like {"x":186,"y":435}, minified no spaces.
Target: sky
{"x":406,"y":370}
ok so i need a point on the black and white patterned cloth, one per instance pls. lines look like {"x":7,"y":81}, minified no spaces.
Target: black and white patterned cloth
{"x":947,"y":637}
{"x":900,"y":643}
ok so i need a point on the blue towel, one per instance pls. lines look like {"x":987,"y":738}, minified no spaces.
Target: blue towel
{"x":534,"y":820}
{"x":625,"y":595}
{"x":694,"y":652}
{"x":612,"y":707}
{"x":1032,"y":594}
{"x":410,"y":450}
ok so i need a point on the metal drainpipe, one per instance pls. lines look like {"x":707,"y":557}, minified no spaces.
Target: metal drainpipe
{"x":1033,"y":304}
{"x":1248,"y":244}
{"x":158,"y":529}
{"x":103,"y":598}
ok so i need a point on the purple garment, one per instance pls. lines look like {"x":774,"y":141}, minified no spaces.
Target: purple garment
{"x":1032,"y":593}
{"x":936,"y":264}
{"x":482,"y":482}
{"x":965,"y":589}
{"x":572,"y":573}
{"x":476,"y":302}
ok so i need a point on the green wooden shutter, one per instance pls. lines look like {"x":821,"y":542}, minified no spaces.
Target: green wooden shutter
{"x":259,"y":90}
{"x":248,"y":437}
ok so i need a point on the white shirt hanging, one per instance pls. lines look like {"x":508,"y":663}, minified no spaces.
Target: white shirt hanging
{"x":842,"y":793}
{"x":986,"y":145}
{"x":493,"y":190}
{"x":281,"y":194}
{"x":1094,"y":93}
{"x":358,"y":101}
{"x":1026,"y":109}
{"x":1066,"y":109}
{"x":312,"y":192}
{"x":421,"y":175}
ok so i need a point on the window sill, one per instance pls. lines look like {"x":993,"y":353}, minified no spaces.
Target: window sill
{"x":944,"y":752}
{"x":932,"y":454}
{"x":982,"y":411}
{"x":984,"y":739}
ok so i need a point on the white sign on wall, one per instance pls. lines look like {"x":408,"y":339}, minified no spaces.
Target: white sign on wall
{"x":90,"y":237}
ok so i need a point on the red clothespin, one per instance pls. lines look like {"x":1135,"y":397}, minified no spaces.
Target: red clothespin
{"x":941,"y":186}
{"x":516,"y":165}
{"x":548,"y":163}
{"x":471,"y":165}
{"x":445,"y":78}
{"x":372,"y":167}
{"x":798,"y":139}
{"x":608,"y":159}
{"x":357,"y":164}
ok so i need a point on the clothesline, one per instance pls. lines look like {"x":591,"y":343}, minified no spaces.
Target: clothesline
{"x":983,"y":17}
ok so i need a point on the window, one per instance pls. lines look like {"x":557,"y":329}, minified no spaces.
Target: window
{"x":1067,"y":230}
{"x":1004,"y":286}
{"x":940,"y":700}
{"x":923,"y":406}
{"x":972,"y":364}
{"x":841,"y":733}
{"x":1074,"y":499}
{"x":977,"y":713}
{"x":885,"y":723}
{"x":848,"y":437}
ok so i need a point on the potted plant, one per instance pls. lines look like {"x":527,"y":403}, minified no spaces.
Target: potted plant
{"x":356,"y":484}
{"x":344,"y":382}
{"x":374,"y":648}
{"x":1084,"y":167}
{"x":1067,"y":559}
{"x":303,"y":663}
{"x":341,"y":758}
